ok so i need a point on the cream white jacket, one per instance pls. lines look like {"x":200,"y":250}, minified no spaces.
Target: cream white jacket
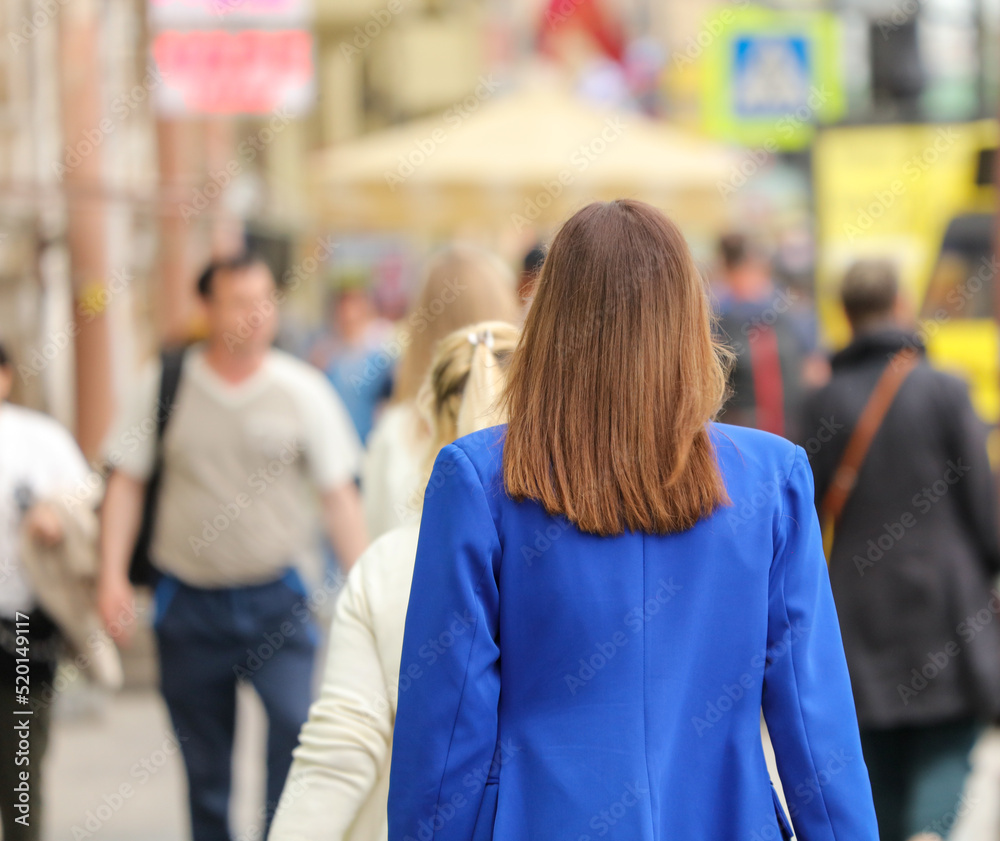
{"x":338,"y":784}
{"x":392,"y":480}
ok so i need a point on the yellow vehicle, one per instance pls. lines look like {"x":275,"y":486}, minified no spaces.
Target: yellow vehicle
{"x":923,"y":196}
{"x":958,"y":318}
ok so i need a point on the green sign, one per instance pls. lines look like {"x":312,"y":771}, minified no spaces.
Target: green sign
{"x":769,"y":77}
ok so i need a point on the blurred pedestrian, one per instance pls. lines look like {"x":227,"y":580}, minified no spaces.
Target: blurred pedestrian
{"x":38,"y":459}
{"x":530,"y":267}
{"x":253,"y":436}
{"x":607,"y":589}
{"x":337,"y":786}
{"x":904,"y":484}
{"x":756,"y":321}
{"x":463,"y":284}
{"x":348,"y":352}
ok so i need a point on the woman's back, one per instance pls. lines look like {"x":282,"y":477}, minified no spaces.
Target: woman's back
{"x":633,"y":670}
{"x":608,"y":589}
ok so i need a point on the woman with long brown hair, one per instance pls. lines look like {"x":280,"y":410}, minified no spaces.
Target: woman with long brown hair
{"x":610,"y":588}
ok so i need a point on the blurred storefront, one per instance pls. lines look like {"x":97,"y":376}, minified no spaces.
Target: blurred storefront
{"x":121,"y":178}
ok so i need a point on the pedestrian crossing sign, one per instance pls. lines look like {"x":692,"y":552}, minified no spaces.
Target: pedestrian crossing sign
{"x":770,"y":77}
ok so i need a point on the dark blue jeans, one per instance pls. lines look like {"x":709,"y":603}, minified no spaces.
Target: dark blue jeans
{"x":208,"y":640}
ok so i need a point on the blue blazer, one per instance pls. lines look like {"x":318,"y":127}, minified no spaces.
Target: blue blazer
{"x":558,"y":685}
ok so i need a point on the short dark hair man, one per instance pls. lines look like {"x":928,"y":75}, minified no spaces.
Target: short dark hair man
{"x":912,"y":558}
{"x":254,"y":436}
{"x":870,"y":295}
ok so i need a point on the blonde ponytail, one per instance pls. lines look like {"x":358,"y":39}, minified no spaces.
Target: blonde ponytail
{"x":461,"y":393}
{"x":482,"y":386}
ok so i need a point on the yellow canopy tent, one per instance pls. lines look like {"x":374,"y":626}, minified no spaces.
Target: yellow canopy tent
{"x":524,"y":160}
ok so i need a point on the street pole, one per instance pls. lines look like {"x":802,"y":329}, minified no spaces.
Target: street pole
{"x":178,"y":145}
{"x":226,"y":230}
{"x":81,"y":111}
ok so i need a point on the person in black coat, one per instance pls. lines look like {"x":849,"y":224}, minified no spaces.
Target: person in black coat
{"x":913,"y":563}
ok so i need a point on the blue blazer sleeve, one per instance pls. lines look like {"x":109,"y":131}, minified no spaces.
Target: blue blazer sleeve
{"x":446,"y":719}
{"x":808,"y":703}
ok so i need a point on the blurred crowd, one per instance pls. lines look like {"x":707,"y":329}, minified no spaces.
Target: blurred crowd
{"x":240,"y":480}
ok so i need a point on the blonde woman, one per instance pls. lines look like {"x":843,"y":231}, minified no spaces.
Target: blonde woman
{"x":338,"y":783}
{"x":464,"y":284}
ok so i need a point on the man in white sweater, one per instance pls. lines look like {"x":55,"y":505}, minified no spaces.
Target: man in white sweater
{"x":38,"y":459}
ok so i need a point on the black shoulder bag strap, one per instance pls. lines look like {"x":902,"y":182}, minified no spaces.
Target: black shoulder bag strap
{"x":141,"y":569}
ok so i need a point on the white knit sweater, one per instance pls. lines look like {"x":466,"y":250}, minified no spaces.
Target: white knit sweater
{"x":338,"y":784}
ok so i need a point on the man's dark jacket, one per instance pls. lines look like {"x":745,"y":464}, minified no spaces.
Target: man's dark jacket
{"x":916,"y":553}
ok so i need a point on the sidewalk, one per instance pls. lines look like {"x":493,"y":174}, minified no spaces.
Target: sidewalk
{"x":127,"y":741}
{"x":114,"y":772}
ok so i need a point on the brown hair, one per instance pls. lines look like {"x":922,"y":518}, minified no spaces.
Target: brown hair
{"x":464,"y":284}
{"x":615,"y":378}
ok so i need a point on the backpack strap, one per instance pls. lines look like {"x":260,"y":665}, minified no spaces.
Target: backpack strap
{"x":845,"y":478}
{"x":170,"y":379}
{"x":141,"y":570}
